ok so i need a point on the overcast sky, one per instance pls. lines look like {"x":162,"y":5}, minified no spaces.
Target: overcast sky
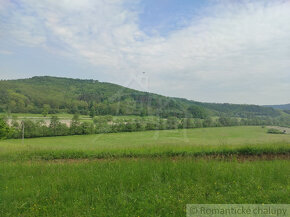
{"x":213,"y":51}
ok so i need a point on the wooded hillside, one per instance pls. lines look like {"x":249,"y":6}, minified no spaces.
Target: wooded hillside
{"x":55,"y":95}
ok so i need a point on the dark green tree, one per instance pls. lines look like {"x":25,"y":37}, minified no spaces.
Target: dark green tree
{"x":4,"y":129}
{"x":75,"y":127}
{"x":46,"y":109}
{"x":208,"y":122}
{"x":54,"y":125}
{"x":197,"y":112}
{"x":172,"y":123}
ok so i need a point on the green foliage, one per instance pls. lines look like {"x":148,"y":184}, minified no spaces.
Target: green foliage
{"x":88,"y":97}
{"x":75,"y":127}
{"x":54,"y":124}
{"x":208,"y":122}
{"x":4,"y":129}
{"x":87,"y":128}
{"x":197,"y":111}
{"x":46,"y":109}
{"x":275,"y":131}
{"x":57,"y":128}
{"x":37,"y":127}
{"x":172,"y":123}
{"x":285,"y":107}
{"x":92,"y":113}
{"x":198,"y":123}
{"x":227,"y":121}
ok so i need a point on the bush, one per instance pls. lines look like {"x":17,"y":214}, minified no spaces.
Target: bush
{"x":275,"y":131}
{"x":4,"y":129}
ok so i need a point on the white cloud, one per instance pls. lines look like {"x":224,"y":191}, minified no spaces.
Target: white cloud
{"x":233,"y":52}
{"x":6,"y":52}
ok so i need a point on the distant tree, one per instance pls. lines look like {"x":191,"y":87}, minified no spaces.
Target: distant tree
{"x":54,"y":124}
{"x":46,"y":109}
{"x":197,"y":111}
{"x":4,"y":129}
{"x":189,"y":123}
{"x":186,"y":123}
{"x":31,"y":129}
{"x":87,"y":128}
{"x":92,"y":113}
{"x":162,"y":124}
{"x":14,"y":122}
{"x":102,"y":124}
{"x":198,"y":123}
{"x":130,"y":126}
{"x":108,"y":118}
{"x":75,"y":127}
{"x":208,"y":122}
{"x":225,"y":121}
{"x":144,"y":112}
{"x":139,"y":123}
{"x":172,"y":123}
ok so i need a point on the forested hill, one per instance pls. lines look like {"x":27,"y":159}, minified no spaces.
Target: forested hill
{"x":283,"y":107}
{"x":55,"y":95}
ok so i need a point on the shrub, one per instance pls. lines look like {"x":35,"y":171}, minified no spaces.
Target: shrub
{"x":4,"y":129}
{"x":275,"y":131}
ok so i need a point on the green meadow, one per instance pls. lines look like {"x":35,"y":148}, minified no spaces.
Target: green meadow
{"x":223,"y":140}
{"x":151,"y":187}
{"x":151,"y":173}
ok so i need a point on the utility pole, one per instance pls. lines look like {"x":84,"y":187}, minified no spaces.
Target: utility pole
{"x":22,"y":132}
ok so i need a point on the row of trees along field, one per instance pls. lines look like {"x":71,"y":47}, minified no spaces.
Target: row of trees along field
{"x":107,"y":124}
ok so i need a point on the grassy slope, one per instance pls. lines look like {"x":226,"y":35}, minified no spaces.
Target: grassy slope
{"x":149,"y":143}
{"x":136,"y":188}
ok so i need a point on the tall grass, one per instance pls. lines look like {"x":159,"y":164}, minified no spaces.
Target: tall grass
{"x":136,"y":187}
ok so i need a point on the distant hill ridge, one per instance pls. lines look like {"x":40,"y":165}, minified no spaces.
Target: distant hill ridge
{"x":283,"y":107}
{"x":69,"y":95}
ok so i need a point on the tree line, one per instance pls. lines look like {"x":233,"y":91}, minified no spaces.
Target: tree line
{"x":107,"y":124}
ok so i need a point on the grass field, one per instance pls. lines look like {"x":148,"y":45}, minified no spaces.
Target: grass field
{"x":149,"y":143}
{"x":152,"y":173}
{"x":136,"y":188}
